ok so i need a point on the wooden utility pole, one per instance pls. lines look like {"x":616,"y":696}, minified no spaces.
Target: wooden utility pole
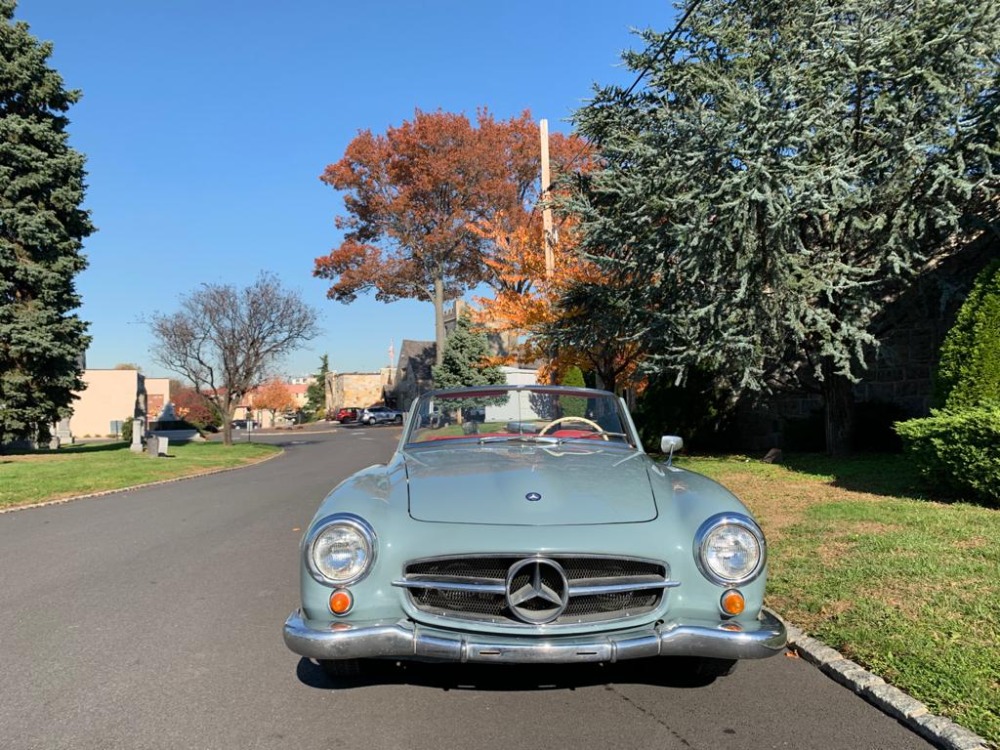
{"x":546,"y":211}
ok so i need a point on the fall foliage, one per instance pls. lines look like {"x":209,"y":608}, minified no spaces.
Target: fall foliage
{"x":191,"y":406}
{"x":273,"y":396}
{"x":532,"y":306}
{"x":413,"y":196}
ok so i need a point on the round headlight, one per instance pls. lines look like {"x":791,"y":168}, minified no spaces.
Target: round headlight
{"x":340,"y":550}
{"x":729,"y":549}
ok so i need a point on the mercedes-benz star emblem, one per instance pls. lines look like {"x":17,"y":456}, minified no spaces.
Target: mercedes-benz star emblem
{"x":533,"y":497}
{"x":537,"y":590}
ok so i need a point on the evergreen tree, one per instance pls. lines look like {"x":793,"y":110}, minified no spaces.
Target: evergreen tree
{"x":969,"y":372}
{"x":785,"y":170}
{"x":42,"y":228}
{"x":571,"y":405}
{"x":465,"y":359}
{"x":316,"y":392}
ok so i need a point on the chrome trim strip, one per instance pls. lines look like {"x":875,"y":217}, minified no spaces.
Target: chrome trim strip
{"x":499,"y":588}
{"x":532,"y":553}
{"x":475,"y":588}
{"x":619,"y":588}
{"x":405,"y":640}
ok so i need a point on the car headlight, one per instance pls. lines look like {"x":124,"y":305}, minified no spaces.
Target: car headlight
{"x":340,"y":549}
{"x":729,"y":549}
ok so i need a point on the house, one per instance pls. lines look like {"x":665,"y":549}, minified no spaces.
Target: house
{"x":357,"y":388}
{"x":298,"y":389}
{"x":413,"y":372}
{"x":111,"y":397}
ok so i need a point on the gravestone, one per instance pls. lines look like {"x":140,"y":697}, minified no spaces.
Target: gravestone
{"x":136,"y":446}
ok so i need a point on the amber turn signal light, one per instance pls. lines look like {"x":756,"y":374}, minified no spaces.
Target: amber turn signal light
{"x":732,"y":602}
{"x":341,"y":602}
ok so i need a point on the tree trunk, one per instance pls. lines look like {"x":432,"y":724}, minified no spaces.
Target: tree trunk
{"x":439,"y":334}
{"x":227,"y":423}
{"x":838,"y":398}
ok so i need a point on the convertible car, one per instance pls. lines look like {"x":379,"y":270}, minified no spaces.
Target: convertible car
{"x":530,"y":527}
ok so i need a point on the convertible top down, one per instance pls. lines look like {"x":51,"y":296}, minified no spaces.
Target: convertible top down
{"x":525,"y":524}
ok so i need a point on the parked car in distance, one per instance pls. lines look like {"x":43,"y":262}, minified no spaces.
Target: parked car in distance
{"x":543,"y":535}
{"x":347,"y":414}
{"x":380,"y":415}
{"x":245,"y":424}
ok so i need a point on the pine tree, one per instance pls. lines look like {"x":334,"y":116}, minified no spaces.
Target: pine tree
{"x":571,"y":405}
{"x":42,"y":228}
{"x":465,"y":362}
{"x":316,"y":392}
{"x":784,"y":171}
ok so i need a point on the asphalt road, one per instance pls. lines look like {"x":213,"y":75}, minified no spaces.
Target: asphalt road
{"x":152,"y":619}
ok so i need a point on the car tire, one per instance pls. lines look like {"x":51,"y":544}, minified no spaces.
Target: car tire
{"x":398,"y":419}
{"x":371,"y":421}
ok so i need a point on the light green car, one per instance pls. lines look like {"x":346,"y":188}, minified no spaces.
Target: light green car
{"x":525,"y":524}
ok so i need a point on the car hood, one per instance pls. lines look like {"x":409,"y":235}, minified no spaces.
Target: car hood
{"x":492,"y":485}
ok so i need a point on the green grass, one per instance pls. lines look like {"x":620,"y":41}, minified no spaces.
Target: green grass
{"x":79,"y":470}
{"x":905,"y":586}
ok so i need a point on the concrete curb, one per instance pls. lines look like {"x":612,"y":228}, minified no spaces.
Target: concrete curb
{"x":120,"y":490}
{"x":910,"y":712}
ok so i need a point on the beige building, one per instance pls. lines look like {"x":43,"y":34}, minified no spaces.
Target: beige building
{"x":356,"y":388}
{"x":114,"y":396}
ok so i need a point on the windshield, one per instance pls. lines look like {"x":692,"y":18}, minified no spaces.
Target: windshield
{"x":519,"y":413}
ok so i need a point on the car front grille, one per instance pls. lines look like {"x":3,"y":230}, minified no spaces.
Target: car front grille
{"x":532,"y":590}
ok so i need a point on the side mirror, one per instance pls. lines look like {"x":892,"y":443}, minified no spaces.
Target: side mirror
{"x":669,"y":444}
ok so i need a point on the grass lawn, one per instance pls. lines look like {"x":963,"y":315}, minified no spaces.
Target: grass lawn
{"x":79,"y":470}
{"x":904,"y":586}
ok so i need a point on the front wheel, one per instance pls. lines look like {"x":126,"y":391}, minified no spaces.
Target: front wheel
{"x":398,"y":419}
{"x":371,"y":421}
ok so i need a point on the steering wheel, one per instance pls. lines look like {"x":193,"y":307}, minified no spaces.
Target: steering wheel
{"x":590,"y":422}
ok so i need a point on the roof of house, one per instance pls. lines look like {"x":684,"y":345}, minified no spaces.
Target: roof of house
{"x":417,"y":358}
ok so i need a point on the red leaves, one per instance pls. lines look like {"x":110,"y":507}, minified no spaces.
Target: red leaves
{"x":413,"y":193}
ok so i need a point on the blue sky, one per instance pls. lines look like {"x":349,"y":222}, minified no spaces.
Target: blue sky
{"x":206,"y":124}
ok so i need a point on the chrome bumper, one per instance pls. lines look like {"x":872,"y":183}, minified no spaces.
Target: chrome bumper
{"x":406,"y":640}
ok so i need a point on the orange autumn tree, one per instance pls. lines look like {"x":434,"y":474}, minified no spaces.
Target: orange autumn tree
{"x":538,"y":309}
{"x":273,"y":396}
{"x":410,"y":196}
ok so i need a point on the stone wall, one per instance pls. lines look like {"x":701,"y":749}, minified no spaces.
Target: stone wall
{"x":355,"y":388}
{"x":900,"y":375}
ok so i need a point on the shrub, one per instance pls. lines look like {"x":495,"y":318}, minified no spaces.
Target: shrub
{"x":969,"y":371}
{"x":699,"y":410}
{"x":571,"y":405}
{"x":127,"y":430}
{"x":957,"y":452}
